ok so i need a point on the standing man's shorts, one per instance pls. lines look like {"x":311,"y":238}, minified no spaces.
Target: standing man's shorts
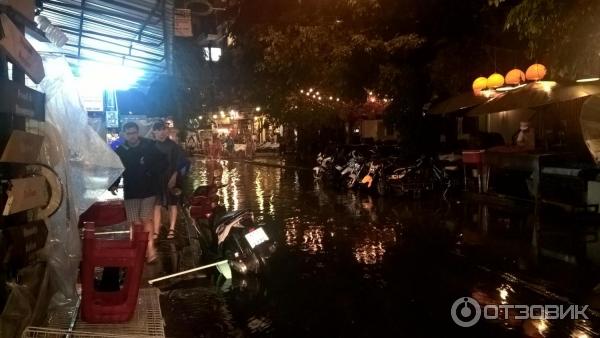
{"x":139,"y":209}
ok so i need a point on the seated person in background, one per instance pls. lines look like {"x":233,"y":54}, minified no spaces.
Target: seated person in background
{"x":526,"y":137}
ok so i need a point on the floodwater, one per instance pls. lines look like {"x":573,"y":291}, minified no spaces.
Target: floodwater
{"x":353,"y":265}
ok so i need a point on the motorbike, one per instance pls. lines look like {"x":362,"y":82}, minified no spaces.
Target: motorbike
{"x":375,"y":178}
{"x":217,"y":235}
{"x":351,"y":174}
{"x":422,"y":176}
{"x":324,"y":165}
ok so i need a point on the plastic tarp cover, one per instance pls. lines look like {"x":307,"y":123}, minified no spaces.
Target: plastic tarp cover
{"x":86,"y":165}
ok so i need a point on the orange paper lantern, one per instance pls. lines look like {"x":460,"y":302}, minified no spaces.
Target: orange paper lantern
{"x":514,"y":77}
{"x":536,"y":72}
{"x":495,"y":80}
{"x":479,"y":84}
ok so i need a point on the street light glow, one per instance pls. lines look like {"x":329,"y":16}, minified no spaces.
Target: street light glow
{"x":257,"y":108}
{"x":215,"y":116}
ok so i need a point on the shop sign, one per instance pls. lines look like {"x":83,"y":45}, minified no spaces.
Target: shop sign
{"x":183,"y":22}
{"x":26,"y":193}
{"x":21,"y":100}
{"x":14,"y":44}
{"x":92,"y":98}
{"x":112,"y":119}
{"x":22,"y":147}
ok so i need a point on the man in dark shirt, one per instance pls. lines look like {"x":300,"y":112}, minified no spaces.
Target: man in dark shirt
{"x":170,"y":179}
{"x":143,"y":164}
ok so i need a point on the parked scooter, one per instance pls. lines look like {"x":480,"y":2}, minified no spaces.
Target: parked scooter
{"x":351,"y":174}
{"x":375,"y":178}
{"x":217,"y":235}
{"x":422,"y":176}
{"x":325,"y":164}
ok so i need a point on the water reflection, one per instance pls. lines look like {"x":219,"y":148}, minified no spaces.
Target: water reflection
{"x":504,"y":291}
{"x":312,"y":239}
{"x":357,"y":230}
{"x":371,"y":248}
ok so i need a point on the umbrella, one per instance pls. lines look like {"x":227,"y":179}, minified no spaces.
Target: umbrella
{"x":590,"y":125}
{"x":537,"y":94}
{"x":457,"y":103}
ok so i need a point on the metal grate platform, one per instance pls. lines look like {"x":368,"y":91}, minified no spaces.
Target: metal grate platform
{"x":147,"y":321}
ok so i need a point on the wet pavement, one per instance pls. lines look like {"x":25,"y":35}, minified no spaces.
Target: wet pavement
{"x":353,"y":265}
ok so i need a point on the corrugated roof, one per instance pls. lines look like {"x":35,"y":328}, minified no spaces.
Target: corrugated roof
{"x":133,"y":33}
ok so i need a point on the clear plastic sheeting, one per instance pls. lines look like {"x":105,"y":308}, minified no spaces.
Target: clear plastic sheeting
{"x":86,"y":166}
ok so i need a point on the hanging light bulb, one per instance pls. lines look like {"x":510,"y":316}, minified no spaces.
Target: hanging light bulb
{"x":536,"y":72}
{"x":479,"y":84}
{"x":495,"y":80}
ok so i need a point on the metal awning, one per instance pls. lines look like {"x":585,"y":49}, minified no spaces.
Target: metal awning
{"x":535,"y":95}
{"x":130,"y":33}
{"x":457,"y":103}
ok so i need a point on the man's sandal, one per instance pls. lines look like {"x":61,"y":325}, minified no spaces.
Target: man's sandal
{"x":152,"y":258}
{"x":171,"y":234}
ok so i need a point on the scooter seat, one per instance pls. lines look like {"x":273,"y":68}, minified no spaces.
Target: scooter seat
{"x":204,"y":190}
{"x":228,"y":217}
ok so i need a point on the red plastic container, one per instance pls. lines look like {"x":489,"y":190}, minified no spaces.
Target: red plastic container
{"x":117,"y":306}
{"x":473,"y":156}
{"x":104,"y":213}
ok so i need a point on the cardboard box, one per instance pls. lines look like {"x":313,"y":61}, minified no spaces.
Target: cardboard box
{"x":22,"y":147}
{"x":25,"y":7}
{"x":20,"y":50}
{"x":26,"y":193}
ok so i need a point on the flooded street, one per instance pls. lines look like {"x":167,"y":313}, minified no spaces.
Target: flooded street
{"x":354,"y":265}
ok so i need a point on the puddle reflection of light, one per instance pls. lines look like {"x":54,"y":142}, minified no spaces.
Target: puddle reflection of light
{"x":542,"y":326}
{"x":372,"y":247}
{"x":291,"y":231}
{"x":582,"y":327}
{"x":260,"y":196}
{"x":230,"y":191}
{"x":579,"y":334}
{"x":313,"y":239}
{"x":504,"y":291}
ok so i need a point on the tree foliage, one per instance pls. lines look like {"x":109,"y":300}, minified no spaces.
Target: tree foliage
{"x":563,"y":34}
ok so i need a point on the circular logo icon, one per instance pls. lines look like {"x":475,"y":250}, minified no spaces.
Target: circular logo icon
{"x":465,"y":312}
